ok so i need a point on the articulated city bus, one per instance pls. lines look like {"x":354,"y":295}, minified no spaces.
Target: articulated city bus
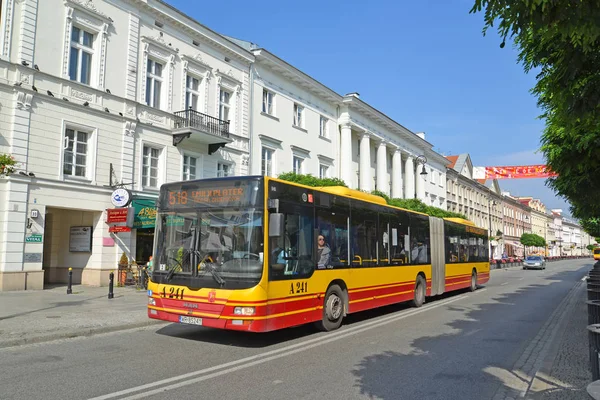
{"x":259,"y":254}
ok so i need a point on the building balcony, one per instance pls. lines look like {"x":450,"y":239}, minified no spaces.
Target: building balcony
{"x":200,"y":129}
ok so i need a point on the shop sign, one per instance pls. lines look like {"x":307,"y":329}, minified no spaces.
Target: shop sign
{"x":34,"y":237}
{"x":116,"y":215}
{"x":145,"y":214}
{"x":120,"y":197}
{"x":119,"y":228}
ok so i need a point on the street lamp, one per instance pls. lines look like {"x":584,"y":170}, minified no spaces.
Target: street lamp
{"x":490,"y":204}
{"x":420,"y":160}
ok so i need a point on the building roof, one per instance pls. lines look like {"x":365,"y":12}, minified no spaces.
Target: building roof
{"x":452,"y":161}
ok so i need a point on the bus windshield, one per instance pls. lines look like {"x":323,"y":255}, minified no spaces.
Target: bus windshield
{"x":199,"y":243}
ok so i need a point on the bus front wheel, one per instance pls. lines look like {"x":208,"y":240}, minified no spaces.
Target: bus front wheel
{"x":333,"y":309}
{"x":420,"y":288}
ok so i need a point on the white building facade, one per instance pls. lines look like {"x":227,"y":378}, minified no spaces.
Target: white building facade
{"x":100,"y":95}
{"x":130,"y":94}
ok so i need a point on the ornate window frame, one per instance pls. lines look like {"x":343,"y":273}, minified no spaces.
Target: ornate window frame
{"x":156,"y":48}
{"x":196,"y":67}
{"x":230,"y":83}
{"x":85,"y":14}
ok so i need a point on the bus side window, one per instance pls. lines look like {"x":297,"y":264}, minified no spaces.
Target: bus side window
{"x":364,"y":237}
{"x":292,"y":256}
{"x":397,"y":238}
{"x":332,"y":223}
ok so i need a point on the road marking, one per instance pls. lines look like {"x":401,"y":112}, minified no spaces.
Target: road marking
{"x":505,"y":283}
{"x":521,"y":278}
{"x":584,"y":278}
{"x":232,"y":366}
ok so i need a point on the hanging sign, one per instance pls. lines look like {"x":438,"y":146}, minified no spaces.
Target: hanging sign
{"x":116,"y":215}
{"x":119,"y":228}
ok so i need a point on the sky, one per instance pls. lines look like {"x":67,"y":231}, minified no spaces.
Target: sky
{"x":425,"y":63}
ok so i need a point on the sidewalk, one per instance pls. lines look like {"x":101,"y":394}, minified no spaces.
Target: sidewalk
{"x":565,"y":372}
{"x":42,"y":315}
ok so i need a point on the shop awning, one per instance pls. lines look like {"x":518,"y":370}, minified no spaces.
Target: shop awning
{"x":513,"y":243}
{"x":145,"y":213}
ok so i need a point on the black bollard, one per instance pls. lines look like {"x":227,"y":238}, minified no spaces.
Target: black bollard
{"x":69,"y":288}
{"x":111,"y":280}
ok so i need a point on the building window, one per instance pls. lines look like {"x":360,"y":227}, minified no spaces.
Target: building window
{"x":76,"y":153}
{"x":80,"y":63}
{"x":154,"y":81}
{"x":224,"y":169}
{"x":189,"y":167}
{"x":192,"y":94}
{"x":323,"y":171}
{"x":267,"y":162}
{"x":150,"y":161}
{"x":268,"y":104}
{"x":298,"y":116}
{"x":323,"y":127}
{"x":224,"y":104}
{"x":297,"y":164}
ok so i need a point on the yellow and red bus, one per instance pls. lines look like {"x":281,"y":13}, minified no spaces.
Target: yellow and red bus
{"x":597,"y":253}
{"x":242,"y":253}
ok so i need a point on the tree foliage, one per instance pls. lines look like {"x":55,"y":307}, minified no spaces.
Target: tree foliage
{"x":409,"y":204}
{"x":309,"y":180}
{"x":532,"y":240}
{"x":590,"y":247}
{"x":561,"y":40}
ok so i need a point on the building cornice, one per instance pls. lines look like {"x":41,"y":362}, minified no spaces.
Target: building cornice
{"x":354,"y":103}
{"x":271,"y":61}
{"x":195,"y":29}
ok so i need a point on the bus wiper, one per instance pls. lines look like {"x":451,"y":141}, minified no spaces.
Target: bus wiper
{"x":172,"y":270}
{"x":210,"y":268}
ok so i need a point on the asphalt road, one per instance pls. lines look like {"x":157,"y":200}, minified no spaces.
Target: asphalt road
{"x":460,"y":346}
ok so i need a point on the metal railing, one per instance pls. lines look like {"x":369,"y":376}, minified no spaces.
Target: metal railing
{"x":194,"y":119}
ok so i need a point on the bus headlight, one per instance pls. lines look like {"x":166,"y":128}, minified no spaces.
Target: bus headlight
{"x":244,"y":310}
{"x":151,"y":301}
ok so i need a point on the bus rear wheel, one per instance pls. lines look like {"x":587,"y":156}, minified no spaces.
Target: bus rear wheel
{"x":473,"y":281}
{"x":333,"y":309}
{"x":420,"y":288}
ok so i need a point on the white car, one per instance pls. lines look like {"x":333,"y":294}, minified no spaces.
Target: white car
{"x":534,"y":262}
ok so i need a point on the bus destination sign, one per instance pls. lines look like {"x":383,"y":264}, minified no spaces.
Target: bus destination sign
{"x":206,"y":196}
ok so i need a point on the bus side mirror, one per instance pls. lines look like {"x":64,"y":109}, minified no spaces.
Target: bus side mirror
{"x":276,"y":225}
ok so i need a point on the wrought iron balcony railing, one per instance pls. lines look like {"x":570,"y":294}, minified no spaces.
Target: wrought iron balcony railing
{"x":194,"y":119}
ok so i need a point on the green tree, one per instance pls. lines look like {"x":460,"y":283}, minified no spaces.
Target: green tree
{"x":532,"y":240}
{"x":559,"y":39}
{"x":590,"y":247}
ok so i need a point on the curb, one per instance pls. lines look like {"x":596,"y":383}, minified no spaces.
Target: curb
{"x":77,"y":333}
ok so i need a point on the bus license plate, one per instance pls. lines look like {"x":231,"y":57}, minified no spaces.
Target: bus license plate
{"x":190,"y":320}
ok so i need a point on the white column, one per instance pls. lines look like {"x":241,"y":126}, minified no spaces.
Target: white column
{"x":409,"y":178}
{"x":346,"y":154}
{"x":382,"y":181}
{"x":420,"y":183}
{"x":397,"y":174}
{"x":365,"y":163}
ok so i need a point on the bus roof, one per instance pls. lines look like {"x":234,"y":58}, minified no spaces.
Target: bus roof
{"x":461,"y":221}
{"x":347,"y":192}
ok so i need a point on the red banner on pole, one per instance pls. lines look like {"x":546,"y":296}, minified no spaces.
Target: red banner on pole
{"x":518,"y":172}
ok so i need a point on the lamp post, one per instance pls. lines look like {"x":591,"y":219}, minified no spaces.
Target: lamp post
{"x":490,"y":204}
{"x":421,"y":159}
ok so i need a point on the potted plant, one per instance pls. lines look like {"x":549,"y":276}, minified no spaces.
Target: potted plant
{"x":7,"y":164}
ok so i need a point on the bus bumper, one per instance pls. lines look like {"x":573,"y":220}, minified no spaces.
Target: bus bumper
{"x":247,"y":325}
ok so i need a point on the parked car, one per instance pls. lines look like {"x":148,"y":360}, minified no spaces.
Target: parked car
{"x":534,"y":262}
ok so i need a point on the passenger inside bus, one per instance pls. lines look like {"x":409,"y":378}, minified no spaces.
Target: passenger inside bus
{"x":323,"y":253}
